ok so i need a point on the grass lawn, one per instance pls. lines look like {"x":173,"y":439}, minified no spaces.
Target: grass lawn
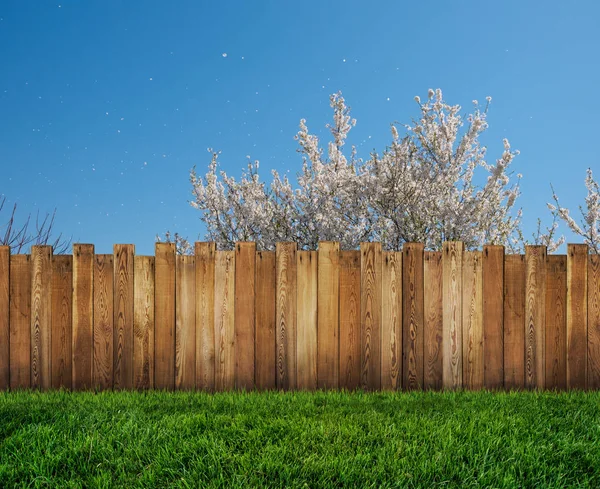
{"x":274,"y":439}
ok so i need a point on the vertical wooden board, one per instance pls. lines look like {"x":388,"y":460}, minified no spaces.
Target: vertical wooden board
{"x":20,"y":331}
{"x":493,"y":316}
{"x":143,"y":322}
{"x":452,"y":264}
{"x":433,"y":320}
{"x":4,"y":317}
{"x":472,"y":320}
{"x":62,"y":321}
{"x":41,"y":316}
{"x":264,"y":309}
{"x":413,"y":315}
{"x":594,"y":322}
{"x":224,"y":320}
{"x":535,"y":312}
{"x":577,"y":282}
{"x":350,"y":320}
{"x":328,"y":303}
{"x":185,"y":323}
{"x":286,"y":315}
{"x":556,"y":322}
{"x":205,"y":315}
{"x":306,"y":320}
{"x":245,"y":276}
{"x":123,"y":262}
{"x":370,"y":313}
{"x":391,"y":320}
{"x":103,"y":322}
{"x":514,"y":321}
{"x":83,"y":315}
{"x":164,"y":310}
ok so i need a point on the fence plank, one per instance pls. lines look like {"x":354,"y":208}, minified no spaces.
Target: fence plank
{"x":164,"y":311}
{"x":245,"y":276}
{"x":493,"y":316}
{"x":472,"y":320}
{"x":349,"y":320}
{"x":143,"y":322}
{"x":62,"y":321}
{"x":433,"y":320}
{"x":286,"y":315}
{"x":452,"y":264}
{"x":594,"y":322}
{"x":20,"y":330}
{"x":205,"y":315}
{"x":413,"y":315}
{"x":123,"y":261}
{"x":41,"y":316}
{"x":535,"y":309}
{"x":370,"y":284}
{"x":83,"y":315}
{"x":328,"y":334}
{"x":306,"y":322}
{"x":185,"y":323}
{"x":514,"y":321}
{"x":391,"y":321}
{"x":265,"y":368}
{"x":556,"y":322}
{"x":224,"y":320}
{"x":103,"y":321}
{"x":577,"y":261}
{"x":4,"y":316}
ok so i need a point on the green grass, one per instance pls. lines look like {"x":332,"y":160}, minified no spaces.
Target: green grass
{"x":276,"y":439}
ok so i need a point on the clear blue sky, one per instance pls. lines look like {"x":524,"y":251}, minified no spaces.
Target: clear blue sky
{"x":106,"y":105}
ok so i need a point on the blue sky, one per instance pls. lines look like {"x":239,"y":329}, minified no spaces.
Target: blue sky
{"x":105,"y":106}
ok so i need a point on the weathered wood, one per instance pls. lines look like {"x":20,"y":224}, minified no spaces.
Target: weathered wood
{"x":452,"y":264}
{"x":370,"y":313}
{"x":556,"y":322}
{"x":62,"y":321}
{"x":245,"y":276}
{"x":123,"y":262}
{"x":413,"y":315}
{"x":391,"y":321}
{"x":594,"y":322}
{"x":577,"y":328}
{"x":472,"y":320}
{"x":103,"y":321}
{"x":328,"y":334}
{"x":433,"y":320}
{"x":535,"y":312}
{"x":205,"y":315}
{"x":286,"y":315}
{"x":265,"y":365}
{"x":41,"y":316}
{"x":20,"y":330}
{"x":143,"y":322}
{"x":83,"y":316}
{"x":350,"y":320}
{"x":224,"y":320}
{"x":306,"y":322}
{"x":493,"y":316}
{"x":4,"y":317}
{"x":514,"y":321}
{"x":185,"y":323}
{"x":164,"y":311}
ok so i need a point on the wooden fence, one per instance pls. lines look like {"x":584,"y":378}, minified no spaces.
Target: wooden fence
{"x":292,"y":319}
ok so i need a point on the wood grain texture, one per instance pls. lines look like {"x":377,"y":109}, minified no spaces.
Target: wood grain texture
{"x":556,"y":322}
{"x":185,"y":323}
{"x":370,"y":313}
{"x":264,"y":310}
{"x":328,"y":331}
{"x":143,"y":322}
{"x":20,"y":330}
{"x":593,"y":322}
{"x":413,"y":315}
{"x":535,"y":316}
{"x":224,"y":320}
{"x":164,"y":316}
{"x":83,"y":316}
{"x":350,"y":320}
{"x":577,"y":330}
{"x":452,"y":264}
{"x":286,"y":315}
{"x":103,"y":321}
{"x":245,"y":277}
{"x":4,"y":317}
{"x":123,"y":261}
{"x":433,"y":320}
{"x":41,"y":316}
{"x":472,"y":320}
{"x":205,"y":254}
{"x":514,"y":321}
{"x":391,"y":321}
{"x":306,"y":319}
{"x":62,"y":321}
{"x":493,"y":316}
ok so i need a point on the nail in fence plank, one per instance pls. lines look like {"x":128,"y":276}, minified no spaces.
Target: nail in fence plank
{"x":41,"y":315}
{"x":493,"y":316}
{"x":391,"y":321}
{"x":83,"y":315}
{"x":370,"y":308}
{"x":123,"y":261}
{"x":286,"y":315}
{"x":433,"y":320}
{"x":594,"y":322}
{"x":328,"y":334}
{"x":265,"y":368}
{"x":514,"y":321}
{"x":350,"y":319}
{"x":164,"y":310}
{"x":556,"y":322}
{"x":306,"y":322}
{"x":577,"y":261}
{"x":224,"y":320}
{"x":245,"y":276}
{"x":103,"y":321}
{"x":205,"y":315}
{"x":185,"y":323}
{"x":452,"y":264}
{"x":143,"y":322}
{"x":4,"y":317}
{"x":472,"y":320}
{"x":62,"y":321}
{"x":535,"y":310}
